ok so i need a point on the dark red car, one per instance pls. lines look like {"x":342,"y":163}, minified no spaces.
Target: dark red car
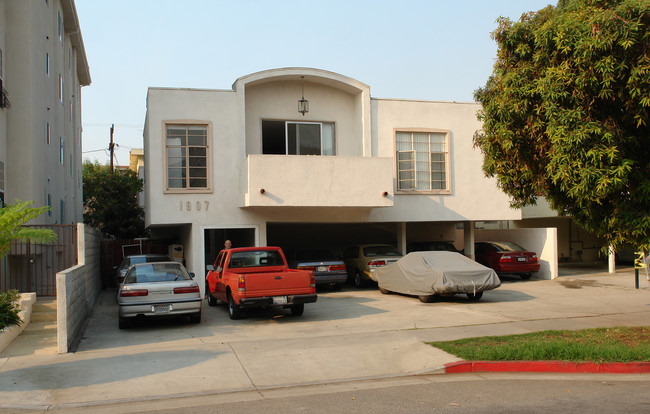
{"x":507,"y":258}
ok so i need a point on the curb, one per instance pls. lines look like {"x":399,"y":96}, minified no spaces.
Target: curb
{"x":548,"y":366}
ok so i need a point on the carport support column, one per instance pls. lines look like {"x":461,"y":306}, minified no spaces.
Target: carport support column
{"x":468,"y":236}
{"x":401,"y":237}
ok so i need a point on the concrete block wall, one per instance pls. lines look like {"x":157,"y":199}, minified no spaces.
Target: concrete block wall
{"x":78,"y":288}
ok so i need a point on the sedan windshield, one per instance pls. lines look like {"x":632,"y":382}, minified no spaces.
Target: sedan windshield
{"x":156,"y":272}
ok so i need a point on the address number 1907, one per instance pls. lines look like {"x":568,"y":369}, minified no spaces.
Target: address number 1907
{"x":194,"y":205}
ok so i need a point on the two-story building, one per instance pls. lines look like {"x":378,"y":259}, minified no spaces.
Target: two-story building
{"x":307,"y":157}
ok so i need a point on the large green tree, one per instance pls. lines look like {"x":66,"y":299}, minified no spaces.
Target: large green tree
{"x":110,"y":203}
{"x":566,"y":114}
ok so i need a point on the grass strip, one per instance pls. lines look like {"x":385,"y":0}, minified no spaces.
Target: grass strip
{"x":600,"y":345}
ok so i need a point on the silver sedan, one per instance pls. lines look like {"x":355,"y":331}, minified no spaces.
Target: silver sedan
{"x":158,"y":289}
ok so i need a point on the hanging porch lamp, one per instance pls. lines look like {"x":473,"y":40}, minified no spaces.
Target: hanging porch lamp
{"x":303,"y":104}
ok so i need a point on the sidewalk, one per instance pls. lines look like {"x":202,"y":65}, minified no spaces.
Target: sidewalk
{"x":346,"y":336}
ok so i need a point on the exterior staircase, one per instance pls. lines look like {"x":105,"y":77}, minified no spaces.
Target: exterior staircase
{"x":40,"y":336}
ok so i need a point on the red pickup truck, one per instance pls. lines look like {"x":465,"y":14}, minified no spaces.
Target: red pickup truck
{"x":250,"y":277}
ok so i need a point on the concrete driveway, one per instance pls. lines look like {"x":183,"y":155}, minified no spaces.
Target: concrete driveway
{"x":345,"y":336}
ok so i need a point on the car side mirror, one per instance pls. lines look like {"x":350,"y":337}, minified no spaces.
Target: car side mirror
{"x":192,"y":275}
{"x":209,"y":268}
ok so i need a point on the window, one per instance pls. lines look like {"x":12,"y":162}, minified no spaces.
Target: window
{"x":60,"y":21}
{"x":47,"y":64}
{"x":422,"y":161}
{"x":298,"y":138}
{"x":62,"y":212}
{"x":47,"y":133}
{"x":61,"y":150}
{"x":187,"y":156}
{"x":60,"y":88}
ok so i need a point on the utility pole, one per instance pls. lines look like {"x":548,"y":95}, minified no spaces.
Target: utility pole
{"x":111,"y":146}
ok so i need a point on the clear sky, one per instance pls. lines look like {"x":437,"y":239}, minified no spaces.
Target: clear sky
{"x":413,"y":49}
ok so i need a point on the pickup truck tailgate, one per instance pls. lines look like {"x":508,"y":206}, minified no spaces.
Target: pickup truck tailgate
{"x":289,"y":282}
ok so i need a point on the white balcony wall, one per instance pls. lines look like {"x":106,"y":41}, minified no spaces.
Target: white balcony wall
{"x":319,"y":181}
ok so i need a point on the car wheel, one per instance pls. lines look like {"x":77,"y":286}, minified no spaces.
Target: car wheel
{"x":425,"y":298}
{"x":212,"y":301}
{"x":384,"y":291}
{"x":195,"y":317}
{"x":234,"y":311}
{"x":475,"y":296}
{"x":525,"y":276}
{"x":358,"y":280}
{"x":123,"y":322}
{"x":297,"y":310}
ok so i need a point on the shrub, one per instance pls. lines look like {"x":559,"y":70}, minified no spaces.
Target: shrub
{"x":9,"y":309}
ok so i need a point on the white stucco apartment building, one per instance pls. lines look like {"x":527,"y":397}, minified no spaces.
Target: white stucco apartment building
{"x":244,"y":164}
{"x":43,"y":66}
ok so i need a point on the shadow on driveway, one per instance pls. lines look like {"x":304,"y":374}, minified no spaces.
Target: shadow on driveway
{"x":96,"y":371}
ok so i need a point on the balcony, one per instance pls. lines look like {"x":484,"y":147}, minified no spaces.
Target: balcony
{"x":319,"y":181}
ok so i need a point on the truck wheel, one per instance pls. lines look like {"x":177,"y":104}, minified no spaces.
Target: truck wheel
{"x":474,"y":297}
{"x":234,"y":311}
{"x":297,"y":310}
{"x":211,"y":299}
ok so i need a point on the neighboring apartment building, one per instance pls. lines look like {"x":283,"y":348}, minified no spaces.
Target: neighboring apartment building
{"x":43,"y":66}
{"x":258,"y":165}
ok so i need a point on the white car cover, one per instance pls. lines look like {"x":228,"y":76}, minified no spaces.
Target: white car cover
{"x":436,"y":272}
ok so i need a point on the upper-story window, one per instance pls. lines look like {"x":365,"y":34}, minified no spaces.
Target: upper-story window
{"x":298,"y":138}
{"x":422,"y":161}
{"x":187,"y":147}
{"x":60,"y":26}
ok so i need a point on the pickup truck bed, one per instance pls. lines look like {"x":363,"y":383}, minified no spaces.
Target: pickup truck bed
{"x":258,"y":277}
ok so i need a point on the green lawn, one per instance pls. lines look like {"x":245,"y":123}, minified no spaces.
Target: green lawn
{"x":618,"y":344}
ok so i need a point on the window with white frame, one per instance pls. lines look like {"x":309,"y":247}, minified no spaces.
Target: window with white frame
{"x":298,"y":138}
{"x":187,"y":149}
{"x":422,"y":161}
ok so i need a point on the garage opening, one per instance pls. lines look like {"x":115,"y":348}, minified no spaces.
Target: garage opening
{"x":215,"y":238}
{"x":334,"y":236}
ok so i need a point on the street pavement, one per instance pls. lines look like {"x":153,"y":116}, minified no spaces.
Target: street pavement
{"x":346,"y":338}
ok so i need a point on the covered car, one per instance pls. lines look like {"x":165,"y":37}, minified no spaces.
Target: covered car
{"x":426,"y":274}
